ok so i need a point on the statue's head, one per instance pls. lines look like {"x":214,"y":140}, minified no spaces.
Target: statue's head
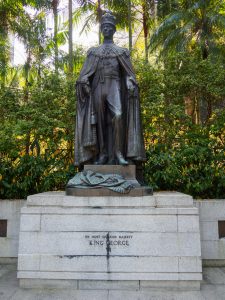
{"x":108,"y":24}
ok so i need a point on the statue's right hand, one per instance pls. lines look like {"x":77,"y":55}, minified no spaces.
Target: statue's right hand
{"x":83,"y":88}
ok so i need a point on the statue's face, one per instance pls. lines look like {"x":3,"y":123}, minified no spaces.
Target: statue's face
{"x":108,"y":30}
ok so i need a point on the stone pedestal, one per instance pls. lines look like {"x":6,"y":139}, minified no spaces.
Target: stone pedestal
{"x":100,"y":242}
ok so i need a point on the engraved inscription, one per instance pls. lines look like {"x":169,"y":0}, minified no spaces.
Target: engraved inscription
{"x":122,"y":240}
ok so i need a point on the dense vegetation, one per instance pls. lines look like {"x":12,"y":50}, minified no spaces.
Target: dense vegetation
{"x":179,"y":60}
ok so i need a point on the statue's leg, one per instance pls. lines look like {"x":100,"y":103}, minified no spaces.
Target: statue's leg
{"x":99,"y":98}
{"x":115,"y":108}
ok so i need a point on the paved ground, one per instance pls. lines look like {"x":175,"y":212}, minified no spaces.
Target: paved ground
{"x":213,"y":288}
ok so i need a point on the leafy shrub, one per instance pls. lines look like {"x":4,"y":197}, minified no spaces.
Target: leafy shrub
{"x":37,"y":137}
{"x":183,"y":155}
{"x":195,"y":165}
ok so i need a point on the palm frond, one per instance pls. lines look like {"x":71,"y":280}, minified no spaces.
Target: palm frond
{"x":89,"y":21}
{"x":201,"y":21}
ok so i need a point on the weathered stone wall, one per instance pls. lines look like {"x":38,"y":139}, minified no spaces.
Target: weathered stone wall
{"x":10,"y":211}
{"x":210,"y":212}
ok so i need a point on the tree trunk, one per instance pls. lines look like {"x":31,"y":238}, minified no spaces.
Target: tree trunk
{"x":130,"y":25}
{"x":145,"y":28}
{"x":99,"y":19}
{"x":26,"y":94}
{"x":27,"y":143}
{"x":55,"y":13}
{"x":169,"y":6}
{"x":70,"y":6}
{"x":192,"y":107}
{"x":12,"y":49}
{"x":206,"y":105}
{"x":154,"y":11}
{"x":4,"y":42}
{"x":205,"y":50}
{"x":27,"y":71}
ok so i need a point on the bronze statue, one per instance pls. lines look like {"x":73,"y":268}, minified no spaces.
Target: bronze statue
{"x":108,"y":124}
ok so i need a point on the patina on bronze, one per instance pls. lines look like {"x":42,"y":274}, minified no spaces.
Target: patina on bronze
{"x":89,"y":179}
{"x":106,"y":180}
{"x":108,"y":123}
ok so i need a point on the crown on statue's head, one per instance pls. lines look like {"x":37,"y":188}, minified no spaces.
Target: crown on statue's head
{"x":108,"y":18}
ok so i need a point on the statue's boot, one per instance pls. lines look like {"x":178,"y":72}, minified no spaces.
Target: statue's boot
{"x":121,"y":159}
{"x":102,"y":160}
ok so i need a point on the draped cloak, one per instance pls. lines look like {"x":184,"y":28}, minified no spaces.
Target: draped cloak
{"x":86,"y":140}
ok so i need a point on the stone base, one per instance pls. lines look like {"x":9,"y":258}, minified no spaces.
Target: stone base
{"x":131,"y":285}
{"x":99,"y":192}
{"x":150,"y":241}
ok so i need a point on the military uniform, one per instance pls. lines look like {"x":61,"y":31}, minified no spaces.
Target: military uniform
{"x":107,"y":101}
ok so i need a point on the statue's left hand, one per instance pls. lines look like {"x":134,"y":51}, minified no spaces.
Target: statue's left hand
{"x":131,"y":85}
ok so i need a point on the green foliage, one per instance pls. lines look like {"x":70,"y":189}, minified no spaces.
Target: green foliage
{"x":165,"y":7}
{"x":192,"y":25}
{"x":37,"y":137}
{"x":182,"y":155}
{"x":33,"y":174}
{"x":194,"y":165}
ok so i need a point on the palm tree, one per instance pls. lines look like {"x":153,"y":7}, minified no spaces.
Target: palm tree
{"x":199,"y":24}
{"x":146,"y":16}
{"x":11,"y":15}
{"x":196,"y":25}
{"x":94,"y":11}
{"x":123,"y":10}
